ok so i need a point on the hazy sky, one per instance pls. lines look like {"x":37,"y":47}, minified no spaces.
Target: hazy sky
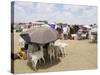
{"x":72,"y":14}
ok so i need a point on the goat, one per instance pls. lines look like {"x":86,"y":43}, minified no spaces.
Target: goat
{"x":60,"y":45}
{"x":51,"y":52}
{"x":36,"y":56}
{"x":84,"y":36}
{"x":74,"y":36}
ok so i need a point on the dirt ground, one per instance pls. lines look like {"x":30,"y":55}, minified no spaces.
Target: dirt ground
{"x":80,"y":55}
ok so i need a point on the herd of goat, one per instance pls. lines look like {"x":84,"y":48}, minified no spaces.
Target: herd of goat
{"x":53,"y":50}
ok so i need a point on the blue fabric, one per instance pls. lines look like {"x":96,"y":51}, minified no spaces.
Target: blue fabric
{"x":52,"y":25}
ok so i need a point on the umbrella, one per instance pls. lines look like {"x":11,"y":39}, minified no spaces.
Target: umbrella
{"x":52,"y":25}
{"x":42,"y":35}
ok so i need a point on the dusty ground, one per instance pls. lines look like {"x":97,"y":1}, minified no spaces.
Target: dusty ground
{"x":80,"y":54}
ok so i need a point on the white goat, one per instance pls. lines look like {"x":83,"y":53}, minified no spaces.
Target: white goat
{"x":61,"y":45}
{"x":92,"y":37}
{"x":84,"y":36}
{"x":74,"y":36}
{"x":36,"y":56}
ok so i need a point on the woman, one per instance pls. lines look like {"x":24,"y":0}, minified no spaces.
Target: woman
{"x":60,"y":31}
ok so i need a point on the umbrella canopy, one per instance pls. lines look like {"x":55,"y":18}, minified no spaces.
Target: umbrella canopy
{"x":42,"y":35}
{"x":52,"y":25}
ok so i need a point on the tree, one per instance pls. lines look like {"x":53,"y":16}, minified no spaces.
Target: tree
{"x":30,"y":22}
{"x":43,"y":21}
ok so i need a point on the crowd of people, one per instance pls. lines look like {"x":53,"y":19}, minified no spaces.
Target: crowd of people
{"x":78,"y":32}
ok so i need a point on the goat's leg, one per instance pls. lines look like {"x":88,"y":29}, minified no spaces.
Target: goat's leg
{"x":40,"y":61}
{"x":63,"y":51}
{"x":51,"y":59}
{"x":53,"y":53}
{"x":43,"y":60}
{"x":54,"y":56}
{"x":60,"y":51}
{"x":57,"y":52}
{"x":34,"y":64}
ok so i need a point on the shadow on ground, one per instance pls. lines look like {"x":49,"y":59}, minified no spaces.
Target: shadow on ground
{"x":45,"y":65}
